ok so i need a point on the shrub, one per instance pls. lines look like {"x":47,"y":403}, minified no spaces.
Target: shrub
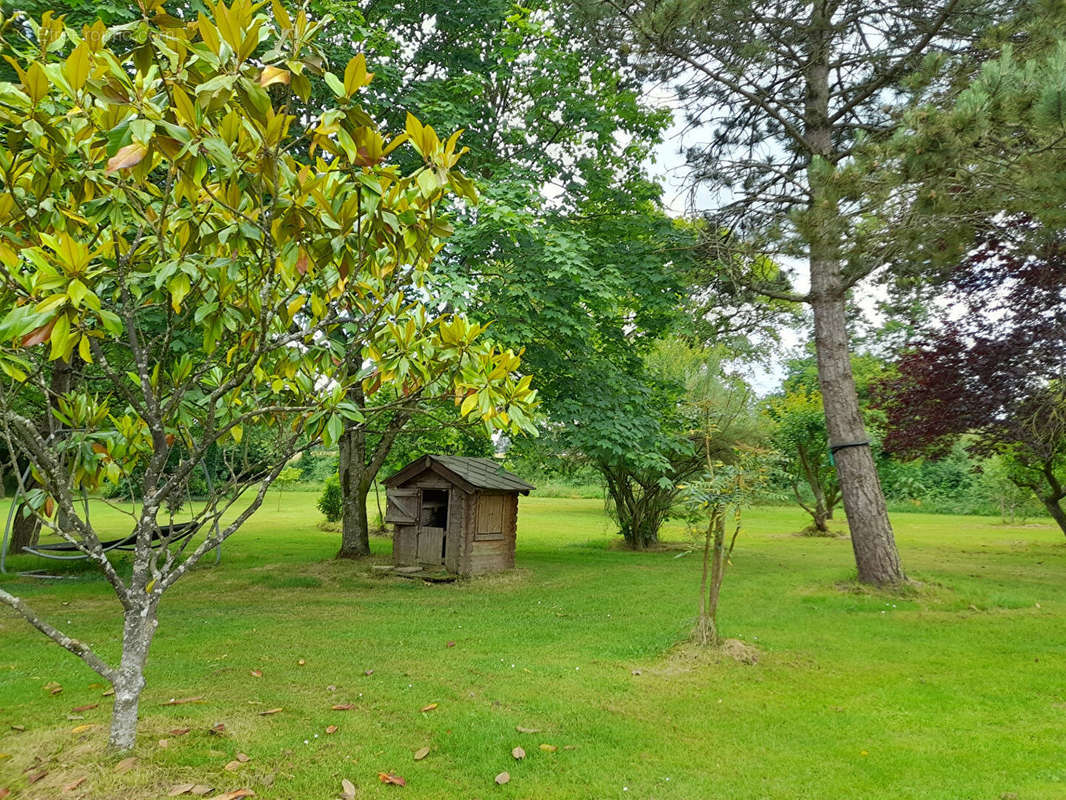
{"x":329,"y":502}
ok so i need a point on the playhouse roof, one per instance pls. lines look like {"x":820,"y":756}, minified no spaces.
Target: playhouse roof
{"x":471,"y":473}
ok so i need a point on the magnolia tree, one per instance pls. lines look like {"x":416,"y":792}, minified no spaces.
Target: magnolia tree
{"x":198,"y":261}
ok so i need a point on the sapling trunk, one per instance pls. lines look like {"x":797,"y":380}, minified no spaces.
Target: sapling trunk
{"x":138,"y":630}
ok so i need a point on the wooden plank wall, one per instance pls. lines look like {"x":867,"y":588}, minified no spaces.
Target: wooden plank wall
{"x":492,"y":543}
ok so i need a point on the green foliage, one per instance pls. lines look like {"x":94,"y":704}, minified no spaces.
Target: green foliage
{"x":330,"y":501}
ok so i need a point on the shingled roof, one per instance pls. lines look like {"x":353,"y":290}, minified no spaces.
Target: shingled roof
{"x":475,"y":473}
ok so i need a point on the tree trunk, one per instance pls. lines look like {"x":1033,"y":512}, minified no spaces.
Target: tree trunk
{"x":355,"y":528}
{"x":25,"y":532}
{"x":864,"y":502}
{"x":137,"y":632}
{"x":1055,"y":510}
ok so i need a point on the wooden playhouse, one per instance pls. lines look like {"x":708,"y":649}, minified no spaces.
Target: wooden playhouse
{"x":454,"y":511}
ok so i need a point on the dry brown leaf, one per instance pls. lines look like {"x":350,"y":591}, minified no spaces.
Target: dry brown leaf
{"x":233,"y":766}
{"x":4,"y":792}
{"x":234,"y":795}
{"x":108,"y":692}
{"x":164,"y":743}
{"x":70,"y":787}
{"x":183,"y":701}
{"x":126,"y":764}
{"x":4,"y":755}
{"x":270,"y":711}
{"x":257,"y":673}
{"x":331,"y":729}
{"x":18,"y":728}
{"x":548,"y":748}
{"x":343,"y":707}
{"x":520,"y":729}
{"x":570,"y":747}
{"x":219,"y":729}
{"x":369,"y":672}
{"x":349,"y":789}
{"x":503,"y":777}
{"x":430,"y":707}
{"x":450,"y":644}
{"x":421,"y":753}
{"x":179,"y":731}
{"x":180,"y":789}
{"x":244,"y":758}
{"x":53,"y":688}
{"x":391,"y":777}
{"x":518,"y":753}
{"x":301,"y":662}
{"x":82,"y":728}
{"x":79,"y":709}
{"x":36,"y":777}
{"x":200,"y":789}
{"x":129,"y":156}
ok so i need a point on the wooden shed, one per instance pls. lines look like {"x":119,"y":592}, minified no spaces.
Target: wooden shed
{"x":455,"y":511}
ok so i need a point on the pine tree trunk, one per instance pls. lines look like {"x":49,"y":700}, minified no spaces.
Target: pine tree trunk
{"x":864,"y":503}
{"x":137,"y":633}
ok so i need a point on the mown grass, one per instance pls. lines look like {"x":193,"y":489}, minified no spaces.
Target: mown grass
{"x":952,"y":688}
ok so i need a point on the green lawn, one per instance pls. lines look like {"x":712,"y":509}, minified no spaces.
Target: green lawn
{"x":955,"y":690}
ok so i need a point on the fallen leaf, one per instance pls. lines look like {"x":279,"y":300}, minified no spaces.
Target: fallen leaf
{"x":179,"y":731}
{"x":548,"y":748}
{"x":75,"y":717}
{"x":450,"y":644}
{"x":503,"y":777}
{"x":636,"y":672}
{"x":4,"y":755}
{"x":53,"y":688}
{"x":70,"y":787}
{"x":421,"y":753}
{"x":570,"y":747}
{"x":219,"y":729}
{"x":331,"y":729}
{"x":108,"y":692}
{"x":233,"y":766}
{"x":200,"y":789}
{"x":369,"y":672}
{"x":4,"y":793}
{"x":343,"y":707}
{"x":349,"y":789}
{"x":180,"y":789}
{"x":19,"y":728}
{"x":234,"y":795}
{"x":257,"y":673}
{"x":270,"y":711}
{"x":430,"y":707}
{"x":518,"y":753}
{"x":520,"y":729}
{"x":390,"y":777}
{"x":82,"y":728}
{"x":79,"y":709}
{"x":126,"y":764}
{"x":244,"y":758}
{"x":164,"y":743}
{"x":301,"y":662}
{"x":36,"y":777}
{"x":184,"y":701}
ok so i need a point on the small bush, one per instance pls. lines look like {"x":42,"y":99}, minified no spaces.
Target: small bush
{"x":329,"y":502}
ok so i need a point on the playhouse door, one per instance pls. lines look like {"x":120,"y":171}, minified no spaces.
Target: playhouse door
{"x":431,"y":545}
